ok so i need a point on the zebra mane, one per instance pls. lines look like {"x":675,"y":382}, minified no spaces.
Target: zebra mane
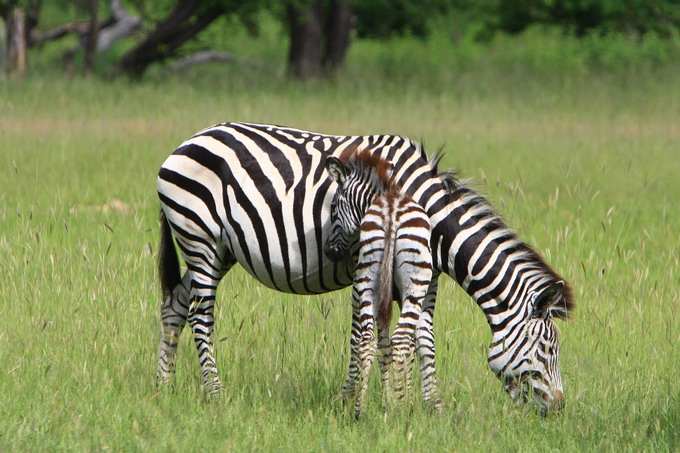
{"x":481,"y":208}
{"x":367,"y":160}
{"x":478,"y":207}
{"x":448,"y":176}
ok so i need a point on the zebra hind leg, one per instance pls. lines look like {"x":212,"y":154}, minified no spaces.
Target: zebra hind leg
{"x":402,"y":345}
{"x":426,"y":351}
{"x":367,"y":350}
{"x":174,"y":311}
{"x":409,"y":364}
{"x":385,"y":346}
{"x":202,"y":321}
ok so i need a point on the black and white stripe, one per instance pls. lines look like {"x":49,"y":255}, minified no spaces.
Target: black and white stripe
{"x":394,"y":251}
{"x":259,"y":195}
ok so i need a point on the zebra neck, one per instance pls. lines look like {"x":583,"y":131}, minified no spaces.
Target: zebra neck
{"x":497,"y":269}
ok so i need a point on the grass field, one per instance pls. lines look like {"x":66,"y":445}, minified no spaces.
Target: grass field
{"x":584,"y":165}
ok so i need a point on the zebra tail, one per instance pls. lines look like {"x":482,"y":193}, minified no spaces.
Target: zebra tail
{"x":168,"y":263}
{"x":386,"y":283}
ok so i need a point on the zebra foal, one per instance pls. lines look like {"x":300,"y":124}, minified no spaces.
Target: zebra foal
{"x":394,"y":251}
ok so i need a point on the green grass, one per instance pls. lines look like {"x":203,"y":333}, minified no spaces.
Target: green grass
{"x":584,"y":164}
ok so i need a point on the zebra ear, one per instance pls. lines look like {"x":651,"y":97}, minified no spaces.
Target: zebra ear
{"x":551,"y":299}
{"x":336,"y":169}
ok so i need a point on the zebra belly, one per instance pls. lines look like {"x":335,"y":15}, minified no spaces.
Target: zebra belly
{"x":302,"y":269}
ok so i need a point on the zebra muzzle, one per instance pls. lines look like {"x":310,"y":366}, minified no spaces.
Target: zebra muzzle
{"x":334,"y":253}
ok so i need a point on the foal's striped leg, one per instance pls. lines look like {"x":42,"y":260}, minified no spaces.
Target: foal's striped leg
{"x":425,"y":347}
{"x":412,"y":276}
{"x":409,"y":364}
{"x":385,"y":346}
{"x":367,"y":348}
{"x":402,"y":343}
{"x":349,"y":388}
{"x":365,"y":289}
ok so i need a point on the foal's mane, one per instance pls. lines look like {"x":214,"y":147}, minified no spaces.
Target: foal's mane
{"x":366,"y":159}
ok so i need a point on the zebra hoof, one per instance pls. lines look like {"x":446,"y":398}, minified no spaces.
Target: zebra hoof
{"x":165,"y":382}
{"x":436,"y":405}
{"x":344,"y":396}
{"x":213,"y":391}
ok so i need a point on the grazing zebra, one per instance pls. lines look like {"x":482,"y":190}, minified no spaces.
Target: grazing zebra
{"x":394,"y":249}
{"x":258,"y":195}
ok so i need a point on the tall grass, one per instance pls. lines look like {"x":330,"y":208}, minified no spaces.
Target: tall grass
{"x":582,"y":162}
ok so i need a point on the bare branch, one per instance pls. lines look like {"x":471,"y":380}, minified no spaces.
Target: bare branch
{"x":205,"y":56}
{"x":120,"y":25}
{"x":123,"y":25}
{"x":79,"y":27}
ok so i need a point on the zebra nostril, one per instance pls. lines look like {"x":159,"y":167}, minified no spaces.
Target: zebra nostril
{"x":333,"y":253}
{"x":554,"y":404}
{"x":557,"y":402}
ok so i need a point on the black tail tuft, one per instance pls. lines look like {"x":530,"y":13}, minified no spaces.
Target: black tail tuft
{"x":168,"y":263}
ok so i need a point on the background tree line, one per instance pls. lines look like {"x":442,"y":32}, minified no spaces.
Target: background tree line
{"x":319,"y":32}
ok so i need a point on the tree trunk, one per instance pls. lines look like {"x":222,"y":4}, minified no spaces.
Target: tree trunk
{"x":340,"y":24}
{"x":183,"y":23}
{"x":91,"y":39}
{"x":306,"y":34}
{"x":16,"y":40}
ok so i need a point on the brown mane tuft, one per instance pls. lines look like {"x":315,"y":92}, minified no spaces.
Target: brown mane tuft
{"x":352,"y":155}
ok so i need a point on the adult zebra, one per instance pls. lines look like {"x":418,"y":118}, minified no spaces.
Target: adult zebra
{"x":258,"y":195}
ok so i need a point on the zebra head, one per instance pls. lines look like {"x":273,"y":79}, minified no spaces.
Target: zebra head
{"x":525,"y":355}
{"x":359,"y":182}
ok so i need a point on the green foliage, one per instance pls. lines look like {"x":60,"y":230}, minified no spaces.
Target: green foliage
{"x":385,"y":18}
{"x":584,"y":16}
{"x":547,"y":34}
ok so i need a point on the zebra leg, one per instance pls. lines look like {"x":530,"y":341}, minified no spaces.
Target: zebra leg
{"x":201,"y":315}
{"x":425,"y":348}
{"x":367,"y":350}
{"x":409,"y":364}
{"x":362,"y":313}
{"x":174,"y":311}
{"x":385,"y":346}
{"x":402,"y":341}
{"x":349,"y":388}
{"x":202,"y":320}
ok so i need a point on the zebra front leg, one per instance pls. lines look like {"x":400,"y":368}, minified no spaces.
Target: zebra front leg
{"x":349,"y":388}
{"x":425,"y":348}
{"x":174,"y":311}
